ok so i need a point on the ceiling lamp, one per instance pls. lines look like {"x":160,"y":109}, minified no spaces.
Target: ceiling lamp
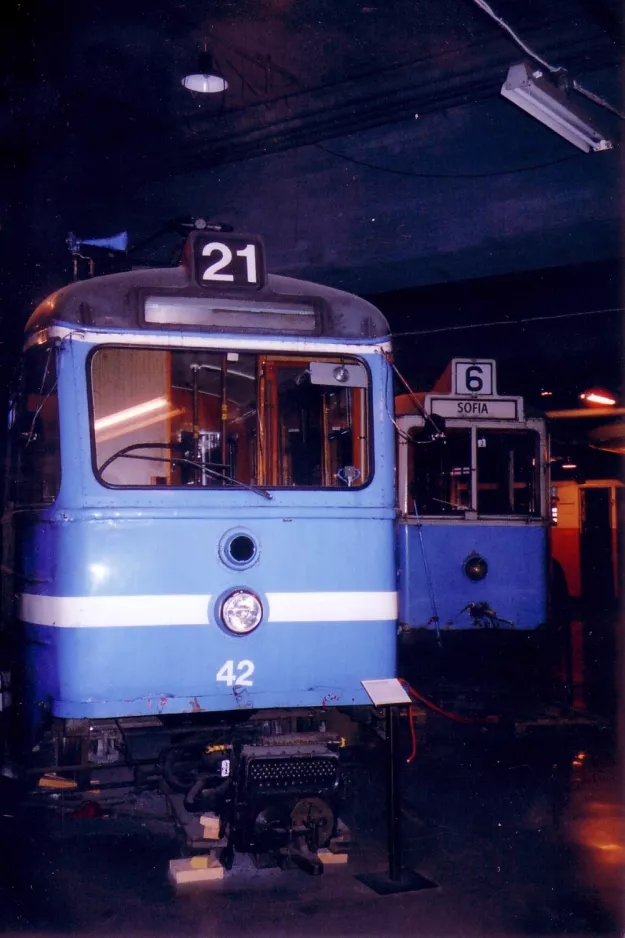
{"x":527,"y":87}
{"x":598,"y":397}
{"x":207,"y":79}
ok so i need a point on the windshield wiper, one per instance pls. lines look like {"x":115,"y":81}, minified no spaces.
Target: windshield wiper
{"x":125,"y":453}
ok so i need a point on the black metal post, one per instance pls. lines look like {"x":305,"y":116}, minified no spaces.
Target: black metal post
{"x":398,"y":879}
{"x":393,"y":797}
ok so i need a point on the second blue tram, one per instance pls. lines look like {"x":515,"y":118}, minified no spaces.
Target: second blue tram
{"x":199,"y":532}
{"x":474,"y":519}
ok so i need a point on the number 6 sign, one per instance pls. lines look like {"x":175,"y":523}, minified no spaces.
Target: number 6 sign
{"x":474,"y":377}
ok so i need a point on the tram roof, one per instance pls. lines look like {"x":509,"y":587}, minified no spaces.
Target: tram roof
{"x":114,"y":301}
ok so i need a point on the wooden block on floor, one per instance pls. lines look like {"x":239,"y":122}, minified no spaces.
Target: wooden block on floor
{"x":210,"y":826}
{"x":56,"y":782}
{"x":195,"y":870}
{"x":328,"y":858}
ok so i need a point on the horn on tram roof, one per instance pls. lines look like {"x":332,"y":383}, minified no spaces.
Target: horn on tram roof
{"x":118,"y":242}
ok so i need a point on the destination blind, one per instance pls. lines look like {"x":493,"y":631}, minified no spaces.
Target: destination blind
{"x":489,"y":409}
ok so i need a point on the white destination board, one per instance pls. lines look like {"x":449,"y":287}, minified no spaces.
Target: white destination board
{"x":474,"y":377}
{"x":499,"y":409}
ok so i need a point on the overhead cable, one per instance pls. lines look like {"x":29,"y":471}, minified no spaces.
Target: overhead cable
{"x":511,"y":322}
{"x":407,"y":172}
{"x":554,"y":69}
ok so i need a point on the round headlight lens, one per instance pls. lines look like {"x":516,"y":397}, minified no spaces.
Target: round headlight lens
{"x":475,"y":568}
{"x":241,"y":612}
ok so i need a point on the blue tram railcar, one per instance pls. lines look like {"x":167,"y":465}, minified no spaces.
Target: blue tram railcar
{"x":199,"y":529}
{"x":473,"y":529}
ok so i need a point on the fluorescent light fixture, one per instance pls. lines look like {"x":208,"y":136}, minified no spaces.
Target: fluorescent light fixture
{"x":207,"y":79}
{"x":122,"y":416}
{"x":569,"y":465}
{"x":527,"y":87}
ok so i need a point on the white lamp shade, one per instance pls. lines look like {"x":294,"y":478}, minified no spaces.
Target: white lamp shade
{"x":205,"y":83}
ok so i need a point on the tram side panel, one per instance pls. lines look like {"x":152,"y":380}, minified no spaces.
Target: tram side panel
{"x":435,"y":590}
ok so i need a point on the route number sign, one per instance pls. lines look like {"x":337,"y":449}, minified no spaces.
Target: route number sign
{"x":474,"y":377}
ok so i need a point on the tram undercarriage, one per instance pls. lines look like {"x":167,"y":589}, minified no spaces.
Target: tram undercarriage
{"x":271,"y":784}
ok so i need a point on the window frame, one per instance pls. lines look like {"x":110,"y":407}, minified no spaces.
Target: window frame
{"x":15,"y":446}
{"x":259,"y":353}
{"x":530,"y":424}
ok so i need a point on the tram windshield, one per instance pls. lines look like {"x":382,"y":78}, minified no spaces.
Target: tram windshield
{"x":211,"y":419}
{"x":505,"y":464}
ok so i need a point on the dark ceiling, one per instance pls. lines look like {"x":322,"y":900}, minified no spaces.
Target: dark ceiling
{"x":365,"y":140}
{"x":98,"y":84}
{"x":98,"y":134}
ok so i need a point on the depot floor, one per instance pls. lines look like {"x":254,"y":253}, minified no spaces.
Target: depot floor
{"x":514,"y":846}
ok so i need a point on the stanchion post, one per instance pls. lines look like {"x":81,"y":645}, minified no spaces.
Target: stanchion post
{"x":387,"y":695}
{"x":393,"y":797}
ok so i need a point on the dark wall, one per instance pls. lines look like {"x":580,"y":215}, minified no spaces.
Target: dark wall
{"x":559,"y":329}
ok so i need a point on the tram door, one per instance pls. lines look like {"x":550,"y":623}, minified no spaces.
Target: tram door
{"x":596,"y":547}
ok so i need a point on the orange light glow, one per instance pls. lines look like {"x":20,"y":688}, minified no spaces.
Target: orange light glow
{"x":604,"y":834}
{"x":598,"y":396}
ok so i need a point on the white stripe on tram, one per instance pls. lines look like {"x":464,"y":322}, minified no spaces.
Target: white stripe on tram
{"x":180,"y":609}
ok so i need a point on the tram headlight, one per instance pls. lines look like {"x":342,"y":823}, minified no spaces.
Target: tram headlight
{"x":241,"y":612}
{"x":475,"y":568}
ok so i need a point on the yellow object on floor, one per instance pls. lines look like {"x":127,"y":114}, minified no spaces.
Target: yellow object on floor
{"x":55,"y":781}
{"x":195,"y":870}
{"x":332,"y":859}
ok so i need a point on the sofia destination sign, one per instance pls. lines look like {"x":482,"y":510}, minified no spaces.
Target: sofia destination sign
{"x":473,"y":393}
{"x":500,"y":408}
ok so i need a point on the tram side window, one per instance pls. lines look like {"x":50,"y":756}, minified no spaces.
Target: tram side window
{"x":507,"y":472}
{"x":439,"y":472}
{"x":174,"y":418}
{"x":34,"y":446}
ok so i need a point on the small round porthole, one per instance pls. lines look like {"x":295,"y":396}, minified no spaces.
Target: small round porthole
{"x":238,"y":549}
{"x":241,"y":549}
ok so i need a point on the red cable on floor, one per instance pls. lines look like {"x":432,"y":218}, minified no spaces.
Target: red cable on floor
{"x":456,"y":717}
